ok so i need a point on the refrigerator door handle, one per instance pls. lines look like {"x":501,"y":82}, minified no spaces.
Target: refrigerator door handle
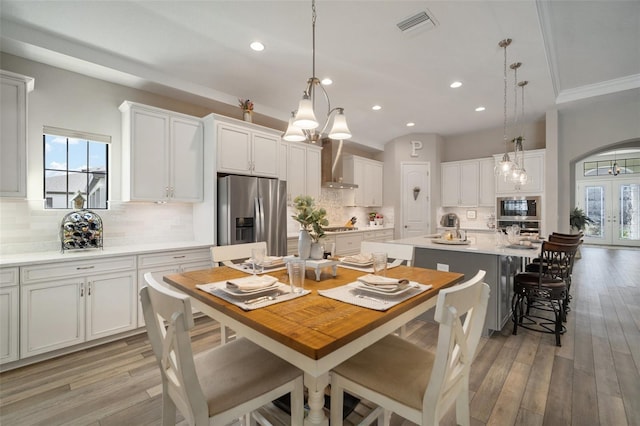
{"x":259,"y":218}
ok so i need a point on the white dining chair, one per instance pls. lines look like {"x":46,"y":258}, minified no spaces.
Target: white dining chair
{"x":220,"y":384}
{"x":227,"y":254}
{"x":402,"y":252}
{"x":404,"y":378}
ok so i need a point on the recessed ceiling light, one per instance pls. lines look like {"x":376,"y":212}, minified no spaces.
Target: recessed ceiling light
{"x":480,"y":109}
{"x":455,"y":84}
{"x":326,"y":81}
{"x":376,"y":107}
{"x":257,"y":46}
{"x":411,"y":124}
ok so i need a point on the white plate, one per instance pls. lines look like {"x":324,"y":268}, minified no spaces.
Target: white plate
{"x":238,"y":292}
{"x":451,"y":242}
{"x":396,"y":292}
{"x":249,"y":265}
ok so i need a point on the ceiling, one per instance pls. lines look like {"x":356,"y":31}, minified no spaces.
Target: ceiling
{"x":199,"y":50}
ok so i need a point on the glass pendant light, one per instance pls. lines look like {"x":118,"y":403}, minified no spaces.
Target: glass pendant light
{"x":504,"y":167}
{"x":304,"y":121}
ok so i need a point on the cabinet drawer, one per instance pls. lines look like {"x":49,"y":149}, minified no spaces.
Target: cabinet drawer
{"x":348,"y":244}
{"x":74,"y":268}
{"x":9,"y":276}
{"x":369,"y":236}
{"x":173,"y":257}
{"x":385,"y":235}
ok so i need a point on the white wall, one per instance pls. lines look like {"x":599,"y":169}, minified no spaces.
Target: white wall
{"x":586,"y":127}
{"x":399,"y":150}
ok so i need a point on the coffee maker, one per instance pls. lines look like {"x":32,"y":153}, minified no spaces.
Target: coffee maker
{"x":450,"y":220}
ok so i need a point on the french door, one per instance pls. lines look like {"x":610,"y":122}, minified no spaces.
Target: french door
{"x":614,"y":206}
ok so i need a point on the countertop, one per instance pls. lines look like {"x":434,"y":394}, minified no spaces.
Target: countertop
{"x":359,"y":229}
{"x":480,"y":243}
{"x":55,"y":256}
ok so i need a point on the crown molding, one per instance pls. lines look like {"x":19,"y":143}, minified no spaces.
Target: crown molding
{"x":599,"y":89}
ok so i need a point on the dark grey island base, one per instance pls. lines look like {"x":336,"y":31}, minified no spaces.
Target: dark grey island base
{"x":479,"y":251}
{"x":500,"y":271}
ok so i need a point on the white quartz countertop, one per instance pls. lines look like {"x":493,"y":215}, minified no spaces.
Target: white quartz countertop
{"x":54,"y":256}
{"x":359,"y":229}
{"x":480,"y":243}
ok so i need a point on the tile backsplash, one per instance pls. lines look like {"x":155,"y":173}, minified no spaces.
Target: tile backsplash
{"x":338,"y":214}
{"x":26,"y":227}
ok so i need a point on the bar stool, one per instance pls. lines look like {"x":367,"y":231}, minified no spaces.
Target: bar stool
{"x":544,"y":290}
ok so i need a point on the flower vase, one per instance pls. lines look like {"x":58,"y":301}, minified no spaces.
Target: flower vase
{"x":317,"y":251}
{"x":247,"y":116}
{"x":304,"y":244}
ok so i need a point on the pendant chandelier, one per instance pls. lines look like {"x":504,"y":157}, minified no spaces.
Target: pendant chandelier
{"x":518,"y":173}
{"x":303,"y":124}
{"x":614,"y":169}
{"x":505,"y":166}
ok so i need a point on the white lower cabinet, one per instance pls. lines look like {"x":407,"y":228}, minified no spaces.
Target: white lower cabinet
{"x":380,"y":235}
{"x":67,"y":303}
{"x":161,"y":264}
{"x":9,"y":317}
{"x":348,"y":243}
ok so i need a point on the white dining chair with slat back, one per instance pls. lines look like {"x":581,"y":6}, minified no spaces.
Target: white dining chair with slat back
{"x":404,"y":378}
{"x":399,"y":252}
{"x":220,"y":384}
{"x":225,"y":255}
{"x":402,"y":252}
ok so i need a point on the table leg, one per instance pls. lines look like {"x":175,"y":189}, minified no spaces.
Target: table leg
{"x":318,"y":272}
{"x":335,"y":270}
{"x":316,"y":387}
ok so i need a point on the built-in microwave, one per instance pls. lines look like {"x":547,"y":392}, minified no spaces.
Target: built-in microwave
{"x":519,"y":208}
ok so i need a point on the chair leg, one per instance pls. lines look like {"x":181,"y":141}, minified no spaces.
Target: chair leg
{"x":463,"y":417}
{"x":516,"y":311}
{"x":559,"y":316}
{"x":337,"y":401}
{"x":168,"y":410}
{"x":297,"y":403}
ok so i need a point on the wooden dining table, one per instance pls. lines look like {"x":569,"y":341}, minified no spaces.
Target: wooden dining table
{"x":313,"y":332}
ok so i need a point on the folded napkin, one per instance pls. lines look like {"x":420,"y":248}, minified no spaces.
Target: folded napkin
{"x":269,"y":260}
{"x":251,"y":282}
{"x":383,"y":282}
{"x":359,"y":258}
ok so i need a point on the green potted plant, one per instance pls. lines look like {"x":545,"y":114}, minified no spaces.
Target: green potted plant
{"x":311,"y":220}
{"x":578,"y":219}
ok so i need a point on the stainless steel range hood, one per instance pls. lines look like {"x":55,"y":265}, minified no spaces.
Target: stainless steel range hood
{"x":331,"y":166}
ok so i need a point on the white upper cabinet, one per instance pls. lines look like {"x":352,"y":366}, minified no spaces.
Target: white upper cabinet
{"x":460,"y":183}
{"x":534,"y":165}
{"x":13,"y":134}
{"x":303,"y":171}
{"x":487,"y":183}
{"x":245,"y":150}
{"x":367,"y":174}
{"x":162,"y":155}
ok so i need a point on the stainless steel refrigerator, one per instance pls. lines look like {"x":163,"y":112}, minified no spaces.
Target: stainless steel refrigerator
{"x":252,"y":209}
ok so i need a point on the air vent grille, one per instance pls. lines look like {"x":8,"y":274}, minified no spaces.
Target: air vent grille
{"x":414,"y":21}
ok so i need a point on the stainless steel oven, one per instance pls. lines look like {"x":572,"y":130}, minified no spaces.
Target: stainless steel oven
{"x":519,"y":208}
{"x":524,"y":211}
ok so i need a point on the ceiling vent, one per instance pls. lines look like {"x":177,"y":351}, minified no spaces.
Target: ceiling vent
{"x":419,"y":20}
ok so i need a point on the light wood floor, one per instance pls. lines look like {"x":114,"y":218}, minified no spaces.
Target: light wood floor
{"x":593,"y":379}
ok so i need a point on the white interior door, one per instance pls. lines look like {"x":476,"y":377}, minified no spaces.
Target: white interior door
{"x":614,"y":206}
{"x":416,"y":199}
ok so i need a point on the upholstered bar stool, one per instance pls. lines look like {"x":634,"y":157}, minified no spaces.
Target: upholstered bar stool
{"x":544,"y":290}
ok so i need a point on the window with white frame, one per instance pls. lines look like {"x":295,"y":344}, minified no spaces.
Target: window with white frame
{"x":76,"y":169}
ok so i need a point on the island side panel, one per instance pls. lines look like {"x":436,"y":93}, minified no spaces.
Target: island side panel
{"x":500,"y":271}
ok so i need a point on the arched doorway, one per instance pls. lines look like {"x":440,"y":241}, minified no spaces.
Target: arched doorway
{"x":607,"y":188}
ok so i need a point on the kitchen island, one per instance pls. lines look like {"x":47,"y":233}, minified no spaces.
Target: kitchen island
{"x":481,"y":252}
